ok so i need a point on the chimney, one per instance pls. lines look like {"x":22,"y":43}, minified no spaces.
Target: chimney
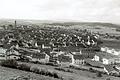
{"x":15,"y":24}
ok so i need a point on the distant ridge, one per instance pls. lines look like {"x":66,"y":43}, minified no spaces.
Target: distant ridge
{"x":93,"y":24}
{"x":39,"y":22}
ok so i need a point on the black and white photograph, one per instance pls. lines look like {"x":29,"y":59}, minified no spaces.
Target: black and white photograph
{"x":59,"y":39}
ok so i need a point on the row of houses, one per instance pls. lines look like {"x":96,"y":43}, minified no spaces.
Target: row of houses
{"x":61,"y":56}
{"x":77,"y":56}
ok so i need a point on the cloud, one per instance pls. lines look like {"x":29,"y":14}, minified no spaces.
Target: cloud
{"x":81,"y":10}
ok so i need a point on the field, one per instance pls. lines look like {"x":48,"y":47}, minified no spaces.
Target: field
{"x":112,"y":43}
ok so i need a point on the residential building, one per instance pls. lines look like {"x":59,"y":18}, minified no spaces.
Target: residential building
{"x":65,"y":58}
{"x":40,"y":57}
{"x":2,"y":53}
{"x":106,"y":58}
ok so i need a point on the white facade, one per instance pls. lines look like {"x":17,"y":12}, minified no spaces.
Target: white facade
{"x":96,"y":58}
{"x":13,"y":57}
{"x":111,"y":51}
{"x":3,"y":51}
{"x":105,"y":61}
{"x":78,"y":62}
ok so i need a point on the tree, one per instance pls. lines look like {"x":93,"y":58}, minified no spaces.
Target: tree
{"x":99,"y":74}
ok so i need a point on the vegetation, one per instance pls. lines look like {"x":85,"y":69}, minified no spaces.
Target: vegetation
{"x":43,"y":71}
{"x":99,"y":74}
{"x":25,"y":67}
{"x":108,"y":79}
{"x":9,"y":63}
{"x":63,"y":69}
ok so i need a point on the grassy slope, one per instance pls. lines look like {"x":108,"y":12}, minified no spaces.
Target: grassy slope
{"x":77,"y":75}
{"x":8,"y":73}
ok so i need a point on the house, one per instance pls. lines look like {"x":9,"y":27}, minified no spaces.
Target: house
{"x":40,"y":57}
{"x":88,"y":52}
{"x":2,"y":50}
{"x":111,"y":51}
{"x":66,"y":58}
{"x":106,"y":58}
{"x":103,"y":48}
{"x":12,"y":53}
{"x":78,"y":59}
{"x":79,"y":55}
{"x":13,"y":56}
{"x":2,"y":53}
{"x":54,"y":55}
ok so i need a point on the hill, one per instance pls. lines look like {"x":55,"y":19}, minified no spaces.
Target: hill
{"x":39,"y":22}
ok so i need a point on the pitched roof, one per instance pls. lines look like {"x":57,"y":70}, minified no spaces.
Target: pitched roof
{"x":64,"y":58}
{"x":40,"y":56}
{"x":78,"y":57}
{"x":94,"y":63}
{"x":82,"y":56}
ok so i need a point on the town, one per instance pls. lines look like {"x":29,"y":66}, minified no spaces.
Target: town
{"x":58,"y":45}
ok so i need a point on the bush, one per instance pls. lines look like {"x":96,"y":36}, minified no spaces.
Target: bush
{"x":35,"y":70}
{"x":50,"y":73}
{"x":24,"y":67}
{"x":52,"y":64}
{"x":42,"y":72}
{"x":91,"y":70}
{"x":55,"y":74}
{"x":63,"y":69}
{"x":108,"y":79}
{"x":99,"y":74}
{"x":9,"y":63}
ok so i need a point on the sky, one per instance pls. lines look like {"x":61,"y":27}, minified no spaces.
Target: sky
{"x":63,"y":10}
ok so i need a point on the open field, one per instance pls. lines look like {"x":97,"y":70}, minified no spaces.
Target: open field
{"x":112,"y":43}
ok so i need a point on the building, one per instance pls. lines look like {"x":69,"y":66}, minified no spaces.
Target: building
{"x":2,"y":53}
{"x":78,"y":59}
{"x":111,"y":51}
{"x":106,"y":58}
{"x":66,"y":58}
{"x":40,"y":57}
{"x":12,"y":54}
